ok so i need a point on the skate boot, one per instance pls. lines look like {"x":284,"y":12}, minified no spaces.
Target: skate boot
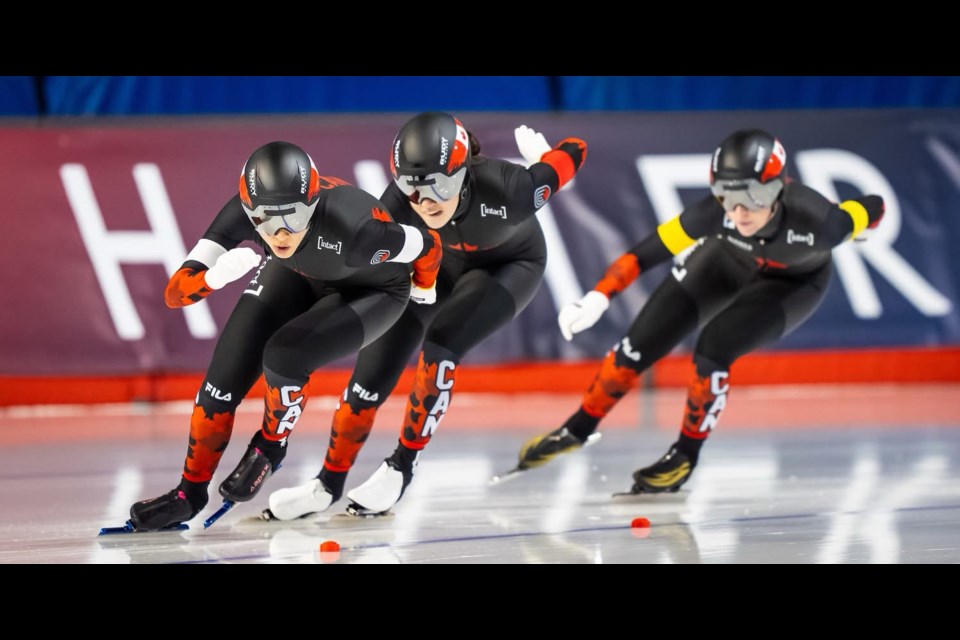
{"x":307,"y":499}
{"x":540,"y":450}
{"x":385,"y":487}
{"x":167,"y":511}
{"x":245,"y":481}
{"x":666,"y":474}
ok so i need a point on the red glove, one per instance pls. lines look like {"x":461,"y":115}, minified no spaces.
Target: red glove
{"x":427,"y":266}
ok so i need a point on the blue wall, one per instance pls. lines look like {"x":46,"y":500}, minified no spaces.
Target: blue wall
{"x":17,"y":96}
{"x":156,"y":95}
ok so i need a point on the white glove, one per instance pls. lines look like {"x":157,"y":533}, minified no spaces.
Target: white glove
{"x":231,"y":266}
{"x":423,"y":296}
{"x":532,"y":145}
{"x":582,"y":314}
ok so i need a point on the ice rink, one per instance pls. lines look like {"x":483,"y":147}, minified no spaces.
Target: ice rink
{"x":803,"y":474}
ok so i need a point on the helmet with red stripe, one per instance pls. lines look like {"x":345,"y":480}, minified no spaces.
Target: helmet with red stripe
{"x":748,"y":169}
{"x":279,"y":188}
{"x":429,"y":157}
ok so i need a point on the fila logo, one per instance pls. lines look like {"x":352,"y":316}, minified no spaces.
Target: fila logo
{"x":379,"y":256}
{"x":489,"y":211}
{"x":364,"y":394}
{"x":540,"y":196}
{"x":329,"y":245}
{"x":216,"y":393}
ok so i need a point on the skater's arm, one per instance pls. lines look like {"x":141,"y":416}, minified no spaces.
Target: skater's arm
{"x":671,"y":238}
{"x":194,"y":281}
{"x":853,"y":219}
{"x":203,"y":272}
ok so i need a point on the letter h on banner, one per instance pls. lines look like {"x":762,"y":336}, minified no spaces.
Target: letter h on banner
{"x":108,"y":249}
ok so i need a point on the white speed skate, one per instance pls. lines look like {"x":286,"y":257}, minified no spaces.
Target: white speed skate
{"x":385,"y":487}
{"x":298,"y":502}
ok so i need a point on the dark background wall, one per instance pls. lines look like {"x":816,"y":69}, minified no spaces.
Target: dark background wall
{"x":158,"y":95}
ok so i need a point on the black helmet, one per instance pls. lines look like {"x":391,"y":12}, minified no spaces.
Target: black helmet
{"x":748,"y":169}
{"x":279,"y":188}
{"x":429,"y":157}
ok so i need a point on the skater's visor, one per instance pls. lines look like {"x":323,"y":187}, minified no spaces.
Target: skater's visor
{"x":752,"y":194}
{"x":270,"y":218}
{"x":435,"y":186}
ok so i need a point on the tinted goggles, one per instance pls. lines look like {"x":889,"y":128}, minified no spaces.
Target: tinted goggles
{"x":752,"y":194}
{"x":270,"y":218}
{"x":435,"y":186}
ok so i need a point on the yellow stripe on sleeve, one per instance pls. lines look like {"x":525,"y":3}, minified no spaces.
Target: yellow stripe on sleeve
{"x":674,"y":238}
{"x":859,"y":215}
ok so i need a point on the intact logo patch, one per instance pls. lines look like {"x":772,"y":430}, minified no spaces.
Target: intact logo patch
{"x":500,"y":212}
{"x":541,"y":196}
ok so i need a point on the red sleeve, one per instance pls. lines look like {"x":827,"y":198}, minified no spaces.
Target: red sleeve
{"x":187,"y":286}
{"x":566,"y":158}
{"x":619,"y":275}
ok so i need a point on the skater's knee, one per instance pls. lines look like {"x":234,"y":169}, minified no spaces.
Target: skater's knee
{"x":286,"y":363}
{"x":707,"y":362}
{"x":219,"y":397}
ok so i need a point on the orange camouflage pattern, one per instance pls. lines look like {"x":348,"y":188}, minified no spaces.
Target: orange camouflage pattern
{"x":619,"y":275}
{"x":700,"y":399}
{"x":612,"y":383}
{"x":350,"y":429}
{"x":274,"y":410}
{"x":426,"y":267}
{"x":209,"y":436}
{"x":186,"y":286}
{"x":423,"y":397}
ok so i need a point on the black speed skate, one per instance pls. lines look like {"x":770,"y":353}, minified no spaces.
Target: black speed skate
{"x":540,"y":450}
{"x":667,"y":474}
{"x":169,"y":511}
{"x":247,"y":478}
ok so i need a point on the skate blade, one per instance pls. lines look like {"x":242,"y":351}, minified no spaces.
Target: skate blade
{"x":513,"y":474}
{"x":129,"y":528}
{"x":592,"y":439}
{"x":353,"y":514}
{"x":267,"y":518}
{"x":646,"y":496}
{"x":226,"y":506}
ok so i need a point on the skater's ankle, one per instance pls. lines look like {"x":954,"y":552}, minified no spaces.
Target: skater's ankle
{"x":196,"y":492}
{"x":690,"y":446}
{"x":581,"y":425}
{"x":333,"y":481}
{"x":404,"y":458}
{"x":275,"y":451}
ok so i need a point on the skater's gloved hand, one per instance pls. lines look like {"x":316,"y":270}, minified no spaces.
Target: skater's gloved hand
{"x":875,"y":209}
{"x":422,"y":295}
{"x":231,"y":266}
{"x":582,"y":314}
{"x":532,"y":145}
{"x":427,"y":266}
